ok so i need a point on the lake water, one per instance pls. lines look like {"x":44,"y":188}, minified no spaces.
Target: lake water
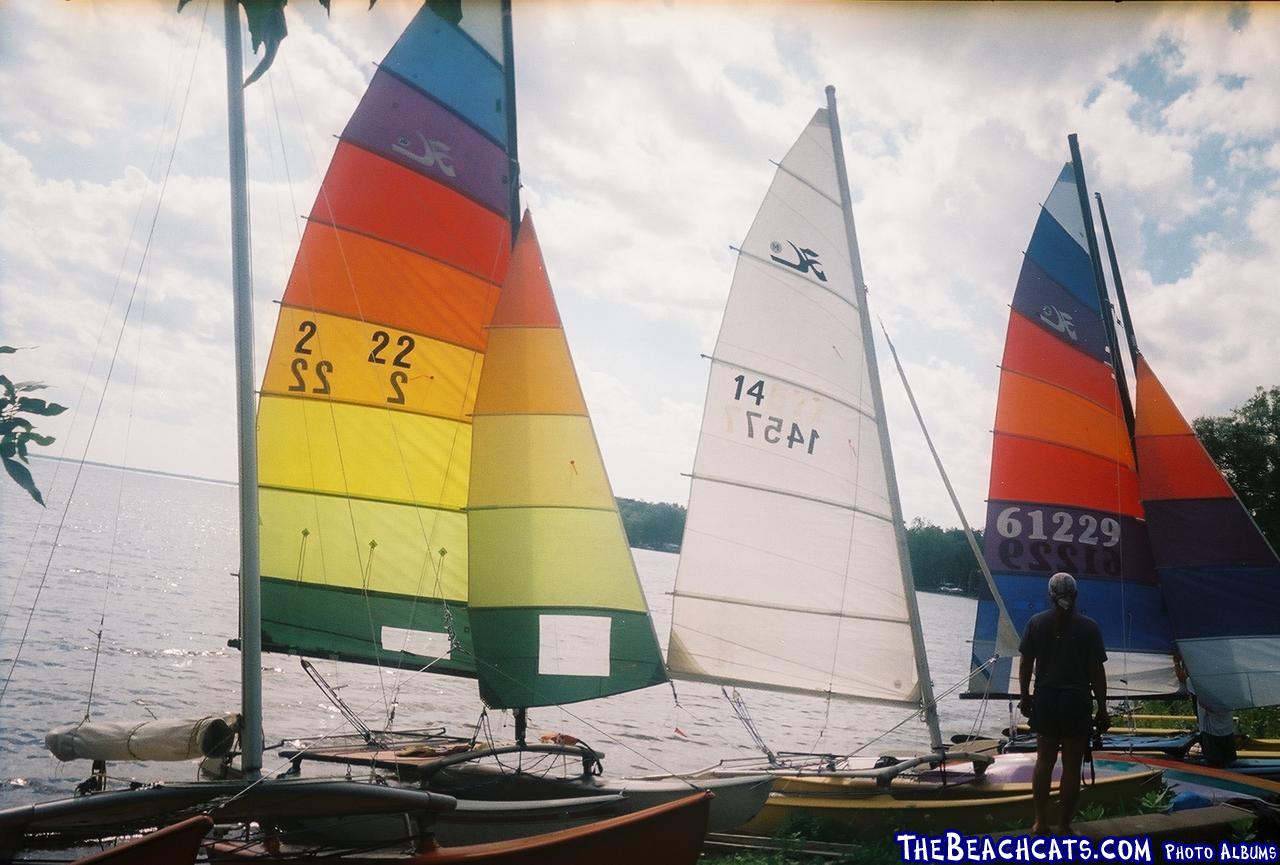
{"x":162,"y":571}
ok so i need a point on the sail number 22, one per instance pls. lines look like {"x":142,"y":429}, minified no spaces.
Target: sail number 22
{"x":771,"y":431}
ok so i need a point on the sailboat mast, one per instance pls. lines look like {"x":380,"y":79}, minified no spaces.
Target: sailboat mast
{"x":1108,"y":315}
{"x":513,"y":157}
{"x":246,"y":416}
{"x":521,"y":715}
{"x":1118,"y":283}
{"x":886,"y":450}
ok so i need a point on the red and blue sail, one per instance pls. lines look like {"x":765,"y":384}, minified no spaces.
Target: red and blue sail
{"x":1064,"y":492}
{"x":1219,"y":576}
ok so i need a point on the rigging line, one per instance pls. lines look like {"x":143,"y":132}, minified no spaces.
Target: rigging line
{"x":124,"y":463}
{"x":155,"y":218}
{"x":198,"y":30}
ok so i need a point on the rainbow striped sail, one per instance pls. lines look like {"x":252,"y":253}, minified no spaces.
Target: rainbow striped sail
{"x":1064,"y":492}
{"x":431,"y":488}
{"x":365,"y":427}
{"x":557,"y":613}
{"x":1219,"y":576}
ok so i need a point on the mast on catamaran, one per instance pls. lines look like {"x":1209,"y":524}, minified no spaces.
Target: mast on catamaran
{"x":886,"y":449}
{"x":246,"y":409}
{"x":1100,"y":284}
{"x":1130,"y":337}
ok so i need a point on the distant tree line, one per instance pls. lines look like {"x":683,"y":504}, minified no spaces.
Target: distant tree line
{"x":1246,"y":446}
{"x":652,"y":525}
{"x":941,"y":557}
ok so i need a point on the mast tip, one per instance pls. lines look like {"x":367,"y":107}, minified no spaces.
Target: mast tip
{"x":831,"y":89}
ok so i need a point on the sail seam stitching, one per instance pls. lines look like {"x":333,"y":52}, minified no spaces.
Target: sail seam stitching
{"x":793,"y":383}
{"x":787,"y":171}
{"x":357,"y":497}
{"x":843,"y":506}
{"x":389,"y":242}
{"x":462,"y":419}
{"x":778,"y":268}
{"x":789,"y":609}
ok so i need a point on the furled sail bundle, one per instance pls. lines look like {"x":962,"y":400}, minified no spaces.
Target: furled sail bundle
{"x":792,"y":572}
{"x":1219,"y":576}
{"x":557,"y":612}
{"x":1064,"y":483}
{"x":365,"y":415}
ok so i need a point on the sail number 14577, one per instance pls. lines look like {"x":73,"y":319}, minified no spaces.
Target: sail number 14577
{"x":772,"y":430}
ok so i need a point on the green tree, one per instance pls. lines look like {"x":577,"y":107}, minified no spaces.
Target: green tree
{"x":1246,"y":446}
{"x":652,"y":526}
{"x":940,"y":557}
{"x":17,"y":432}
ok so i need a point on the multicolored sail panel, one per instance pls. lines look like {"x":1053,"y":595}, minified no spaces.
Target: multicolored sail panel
{"x":1220,"y":577}
{"x":365,"y":433}
{"x":790,"y":575}
{"x":556,"y":609}
{"x":1064,"y":486}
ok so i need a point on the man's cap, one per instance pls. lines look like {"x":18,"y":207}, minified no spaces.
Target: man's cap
{"x":1062,"y":589}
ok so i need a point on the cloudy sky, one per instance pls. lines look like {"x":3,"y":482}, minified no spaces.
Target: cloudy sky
{"x":646,"y":131}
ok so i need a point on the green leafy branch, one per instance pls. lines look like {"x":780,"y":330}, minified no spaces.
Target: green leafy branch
{"x":17,"y":432}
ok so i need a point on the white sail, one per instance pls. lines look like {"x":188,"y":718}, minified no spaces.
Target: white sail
{"x":790,"y":575}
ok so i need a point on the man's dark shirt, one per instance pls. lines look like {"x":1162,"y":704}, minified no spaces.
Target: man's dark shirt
{"x":1064,"y":652}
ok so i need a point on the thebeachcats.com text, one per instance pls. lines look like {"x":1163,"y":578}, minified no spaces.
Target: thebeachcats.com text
{"x":953,"y":847}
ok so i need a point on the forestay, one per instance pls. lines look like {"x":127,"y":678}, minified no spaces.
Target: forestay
{"x":790,"y":574}
{"x":365,"y":414}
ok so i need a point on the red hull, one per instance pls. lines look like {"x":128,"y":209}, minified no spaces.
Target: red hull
{"x":171,"y":845}
{"x":671,"y":833}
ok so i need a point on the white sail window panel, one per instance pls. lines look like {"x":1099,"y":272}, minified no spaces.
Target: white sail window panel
{"x":426,"y":644}
{"x":573,"y":645}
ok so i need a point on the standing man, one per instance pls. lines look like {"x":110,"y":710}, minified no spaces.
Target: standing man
{"x":1065,"y":650}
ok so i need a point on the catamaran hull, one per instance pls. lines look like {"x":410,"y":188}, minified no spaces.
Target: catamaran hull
{"x":1217,"y":785}
{"x":961,"y":807}
{"x":671,"y":833}
{"x":738,"y":798}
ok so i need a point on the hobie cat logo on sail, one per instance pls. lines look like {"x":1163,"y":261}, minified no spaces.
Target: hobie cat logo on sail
{"x":1059,"y":321}
{"x":808,"y":260}
{"x":435,"y":154}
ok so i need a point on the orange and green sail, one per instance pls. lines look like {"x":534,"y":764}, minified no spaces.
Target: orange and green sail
{"x":365,"y":427}
{"x":556,"y":609}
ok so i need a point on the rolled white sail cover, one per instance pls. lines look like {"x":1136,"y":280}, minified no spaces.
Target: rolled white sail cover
{"x":164,"y":739}
{"x":790,"y":575}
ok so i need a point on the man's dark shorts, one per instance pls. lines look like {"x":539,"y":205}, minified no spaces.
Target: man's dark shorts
{"x":1218,"y":750}
{"x":1062,"y":713}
